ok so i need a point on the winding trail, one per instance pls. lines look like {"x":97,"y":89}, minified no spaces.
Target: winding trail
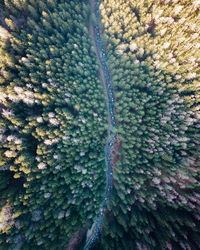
{"x":94,"y":31}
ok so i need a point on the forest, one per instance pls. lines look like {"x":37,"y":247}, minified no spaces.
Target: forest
{"x":54,"y":124}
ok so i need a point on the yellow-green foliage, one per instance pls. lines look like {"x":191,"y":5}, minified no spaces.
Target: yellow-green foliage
{"x":153,"y":57}
{"x":54,"y":122}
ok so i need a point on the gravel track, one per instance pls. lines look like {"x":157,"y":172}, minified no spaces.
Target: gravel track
{"x":105,"y":79}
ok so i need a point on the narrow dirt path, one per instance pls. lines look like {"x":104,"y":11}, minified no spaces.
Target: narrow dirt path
{"x":105,"y":79}
{"x":101,"y":71}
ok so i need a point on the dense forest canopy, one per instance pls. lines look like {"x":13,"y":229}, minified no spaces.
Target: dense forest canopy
{"x":153,"y":50}
{"x":54,"y":122}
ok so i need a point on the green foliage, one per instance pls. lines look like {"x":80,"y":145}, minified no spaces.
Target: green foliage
{"x":54,"y":123}
{"x":152,"y":50}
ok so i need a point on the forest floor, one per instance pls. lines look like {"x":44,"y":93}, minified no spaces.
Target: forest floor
{"x":101,"y":71}
{"x":74,"y":242}
{"x":117,"y":146}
